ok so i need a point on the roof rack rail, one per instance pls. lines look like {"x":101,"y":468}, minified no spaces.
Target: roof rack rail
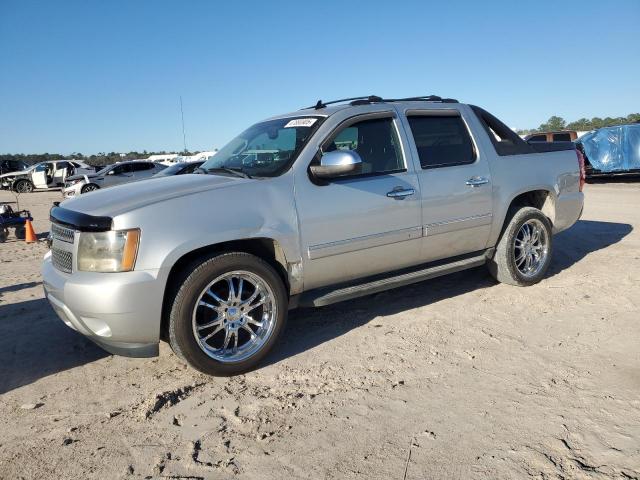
{"x":376,"y":99}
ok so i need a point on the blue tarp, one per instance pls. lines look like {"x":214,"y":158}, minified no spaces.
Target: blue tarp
{"x":613,"y":149}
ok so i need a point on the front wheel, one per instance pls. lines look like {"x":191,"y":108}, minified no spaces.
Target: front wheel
{"x":90,"y":187}
{"x":227,"y":314}
{"x":23,"y":186}
{"x":523,"y":253}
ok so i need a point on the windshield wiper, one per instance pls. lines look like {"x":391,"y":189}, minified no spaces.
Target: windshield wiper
{"x":236,"y":171}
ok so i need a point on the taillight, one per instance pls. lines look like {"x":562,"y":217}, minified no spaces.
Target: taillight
{"x":583,"y":173}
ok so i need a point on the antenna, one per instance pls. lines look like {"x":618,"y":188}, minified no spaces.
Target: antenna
{"x":184,"y":137}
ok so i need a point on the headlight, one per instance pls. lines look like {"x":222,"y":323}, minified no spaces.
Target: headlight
{"x":113,"y":251}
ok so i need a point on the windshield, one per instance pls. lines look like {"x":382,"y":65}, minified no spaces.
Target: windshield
{"x":266,"y":149}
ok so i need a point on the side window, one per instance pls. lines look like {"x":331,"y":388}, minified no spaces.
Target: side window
{"x":561,"y":137}
{"x":42,"y":167}
{"x":61,"y":165}
{"x":120,"y":169}
{"x":140,"y":167}
{"x":376,"y":141}
{"x":537,"y":138}
{"x":441,"y":141}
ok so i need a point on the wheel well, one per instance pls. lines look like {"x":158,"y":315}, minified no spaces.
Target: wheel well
{"x":267,"y":249}
{"x":18,"y":180}
{"x":540,"y":199}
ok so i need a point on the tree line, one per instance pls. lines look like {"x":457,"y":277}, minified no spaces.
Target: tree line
{"x":94,"y":160}
{"x":584,"y":124}
{"x":554,"y":123}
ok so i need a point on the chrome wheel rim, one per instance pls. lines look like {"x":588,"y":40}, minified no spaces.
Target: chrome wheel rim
{"x":531,"y":247}
{"x":89,"y":188}
{"x":234,"y":316}
{"x":23,"y":187}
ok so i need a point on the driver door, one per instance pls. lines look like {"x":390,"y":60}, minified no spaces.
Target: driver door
{"x":39,"y":175}
{"x":119,"y":175}
{"x":367,"y":223}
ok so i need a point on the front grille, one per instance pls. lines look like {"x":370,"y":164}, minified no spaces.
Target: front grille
{"x":62,"y":239}
{"x":62,"y":260}
{"x":62,"y":233}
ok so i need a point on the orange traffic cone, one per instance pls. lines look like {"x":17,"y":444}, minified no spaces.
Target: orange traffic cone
{"x":30,"y":234}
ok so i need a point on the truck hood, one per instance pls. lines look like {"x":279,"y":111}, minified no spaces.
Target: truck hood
{"x":14,"y":174}
{"x":120,"y":199}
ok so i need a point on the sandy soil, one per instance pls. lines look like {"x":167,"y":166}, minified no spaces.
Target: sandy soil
{"x":458,"y":377}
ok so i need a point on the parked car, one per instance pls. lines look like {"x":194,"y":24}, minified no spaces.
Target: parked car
{"x":43,"y":175}
{"x":111,"y":175}
{"x":556,"y":136}
{"x":179,"y":169}
{"x":335,"y":201}
{"x":612,"y":150}
{"x":10,"y":166}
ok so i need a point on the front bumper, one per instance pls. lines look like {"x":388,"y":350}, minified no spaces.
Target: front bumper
{"x":119,"y":311}
{"x":72,"y":190}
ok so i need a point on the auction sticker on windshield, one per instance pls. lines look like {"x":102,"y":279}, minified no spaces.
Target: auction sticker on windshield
{"x":301,"y":122}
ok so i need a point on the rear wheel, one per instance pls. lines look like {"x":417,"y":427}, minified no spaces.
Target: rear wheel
{"x":523,"y":253}
{"x":227,"y":314}
{"x":23,"y":186}
{"x":90,"y":187}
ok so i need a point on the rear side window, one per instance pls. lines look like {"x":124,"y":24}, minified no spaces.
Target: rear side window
{"x":441,"y":141}
{"x":139,"y":167}
{"x":561,"y":137}
{"x":537,"y":138}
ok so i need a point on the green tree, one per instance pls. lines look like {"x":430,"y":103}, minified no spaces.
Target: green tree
{"x":554,"y":123}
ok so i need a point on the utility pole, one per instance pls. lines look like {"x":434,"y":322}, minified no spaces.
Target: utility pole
{"x":184,"y":137}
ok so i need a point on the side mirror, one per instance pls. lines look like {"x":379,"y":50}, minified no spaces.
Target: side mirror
{"x":338,"y":163}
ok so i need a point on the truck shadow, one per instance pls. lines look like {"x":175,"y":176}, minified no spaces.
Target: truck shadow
{"x":308,"y":328}
{"x":34,"y":344}
{"x":583,"y":238}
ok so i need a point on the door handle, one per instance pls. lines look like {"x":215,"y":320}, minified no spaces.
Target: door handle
{"x":477,"y":181}
{"x":400,"y":193}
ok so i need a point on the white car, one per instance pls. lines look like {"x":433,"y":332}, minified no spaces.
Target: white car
{"x":109,"y":176}
{"x":44,"y":175}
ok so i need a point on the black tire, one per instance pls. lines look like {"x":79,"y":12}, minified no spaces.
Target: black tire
{"x":23,"y":186}
{"x":4,"y":234}
{"x":89,"y":187}
{"x":197,"y":277}
{"x":503,"y":264}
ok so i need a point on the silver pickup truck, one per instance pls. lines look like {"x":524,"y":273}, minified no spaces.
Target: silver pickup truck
{"x":318,"y":206}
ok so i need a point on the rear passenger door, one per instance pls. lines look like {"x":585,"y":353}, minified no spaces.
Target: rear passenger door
{"x":455,"y":184}
{"x":142,"y":170}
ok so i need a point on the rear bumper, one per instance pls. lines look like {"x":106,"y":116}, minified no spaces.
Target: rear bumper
{"x":569,"y":208}
{"x":118,"y":311}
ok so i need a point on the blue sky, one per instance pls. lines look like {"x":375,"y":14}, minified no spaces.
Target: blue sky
{"x":92,"y":76}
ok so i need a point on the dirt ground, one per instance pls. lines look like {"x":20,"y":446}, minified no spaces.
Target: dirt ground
{"x":458,"y":377}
